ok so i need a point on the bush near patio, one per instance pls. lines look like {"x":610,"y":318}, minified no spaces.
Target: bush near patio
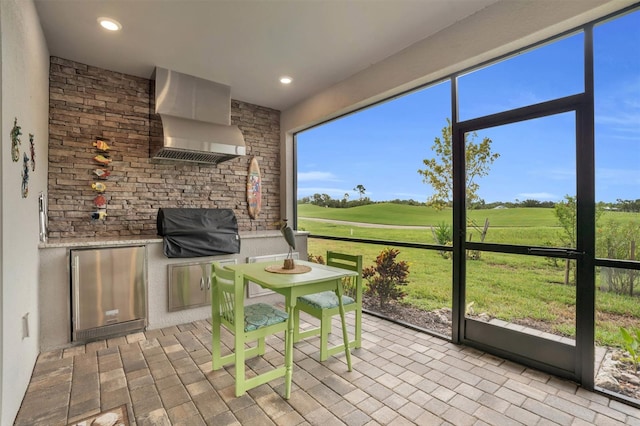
{"x":386,"y":276}
{"x":535,"y":293}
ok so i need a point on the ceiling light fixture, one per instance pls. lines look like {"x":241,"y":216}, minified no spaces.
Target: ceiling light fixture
{"x":109,"y":24}
{"x":286,"y":80}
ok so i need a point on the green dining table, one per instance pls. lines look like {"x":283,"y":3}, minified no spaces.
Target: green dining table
{"x":291,"y":286}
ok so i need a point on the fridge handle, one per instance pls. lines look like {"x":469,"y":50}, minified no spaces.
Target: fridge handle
{"x":76,"y":288}
{"x":201,"y":283}
{"x":208,"y":283}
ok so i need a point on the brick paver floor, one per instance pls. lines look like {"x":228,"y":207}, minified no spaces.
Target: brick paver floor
{"x":400,"y":376}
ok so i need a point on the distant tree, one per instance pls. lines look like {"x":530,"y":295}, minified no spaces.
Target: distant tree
{"x":346,"y":196}
{"x":438,"y":171}
{"x":628,"y":205}
{"x":361,"y":190}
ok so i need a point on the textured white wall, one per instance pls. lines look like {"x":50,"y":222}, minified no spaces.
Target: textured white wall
{"x":25,"y":95}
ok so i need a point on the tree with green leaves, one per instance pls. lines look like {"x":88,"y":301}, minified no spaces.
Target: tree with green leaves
{"x":566,"y":212}
{"x":360,"y":189}
{"x":438,"y":171}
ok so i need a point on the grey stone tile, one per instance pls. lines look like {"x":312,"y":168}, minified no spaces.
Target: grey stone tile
{"x":400,"y":377}
{"x":174,"y":396}
{"x":209,"y":405}
{"x":253,"y":415}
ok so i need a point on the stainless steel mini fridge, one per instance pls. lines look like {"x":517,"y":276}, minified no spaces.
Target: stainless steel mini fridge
{"x":109,"y":292}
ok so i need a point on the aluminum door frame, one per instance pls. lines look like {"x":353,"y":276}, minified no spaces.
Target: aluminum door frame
{"x":571,"y":361}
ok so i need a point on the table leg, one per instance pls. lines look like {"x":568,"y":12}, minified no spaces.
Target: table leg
{"x":345,"y":337}
{"x":288,"y":350}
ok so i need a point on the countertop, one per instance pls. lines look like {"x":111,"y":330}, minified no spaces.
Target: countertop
{"x":139,"y":240}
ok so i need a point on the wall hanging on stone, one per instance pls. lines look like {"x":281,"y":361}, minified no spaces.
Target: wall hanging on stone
{"x":102,"y":159}
{"x":15,"y":140}
{"x":102,"y":173}
{"x":99,"y":187}
{"x":254,"y":189}
{"x":32,"y":148}
{"x":100,"y":202}
{"x":100,"y":214}
{"x":25,"y":175}
{"x":101,"y":145}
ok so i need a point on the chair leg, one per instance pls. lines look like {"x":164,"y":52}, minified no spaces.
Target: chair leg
{"x":325,"y":329}
{"x":358,"y":328}
{"x":261,"y":346}
{"x":239,"y":364}
{"x":345,"y":336}
{"x":296,"y":325}
{"x":216,"y":344}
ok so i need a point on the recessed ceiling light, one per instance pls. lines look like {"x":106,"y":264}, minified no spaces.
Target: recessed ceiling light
{"x":109,"y":24}
{"x":286,"y":80}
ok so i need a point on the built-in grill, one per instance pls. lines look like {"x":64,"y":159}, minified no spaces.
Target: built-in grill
{"x":197,"y":232}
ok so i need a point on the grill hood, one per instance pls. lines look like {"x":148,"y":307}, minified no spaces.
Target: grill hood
{"x":196,"y":120}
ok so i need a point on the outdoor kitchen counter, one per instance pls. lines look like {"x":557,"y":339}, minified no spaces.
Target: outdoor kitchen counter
{"x":54,"y":290}
{"x":139,"y":240}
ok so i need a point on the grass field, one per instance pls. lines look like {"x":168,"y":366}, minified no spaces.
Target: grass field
{"x":401,"y":214}
{"x":509,"y":287}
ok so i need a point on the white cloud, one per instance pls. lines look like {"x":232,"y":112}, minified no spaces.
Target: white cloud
{"x":316,"y":175}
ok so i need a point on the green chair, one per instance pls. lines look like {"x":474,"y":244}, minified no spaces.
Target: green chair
{"x":247,"y":324}
{"x":324,"y":306}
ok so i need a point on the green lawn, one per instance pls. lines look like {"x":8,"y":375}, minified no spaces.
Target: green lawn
{"x":401,"y":214}
{"x":509,"y":287}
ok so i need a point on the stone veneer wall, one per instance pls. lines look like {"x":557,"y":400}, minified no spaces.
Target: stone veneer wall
{"x":86,"y":102}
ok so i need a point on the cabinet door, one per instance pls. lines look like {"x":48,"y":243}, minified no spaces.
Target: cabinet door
{"x":189,"y":285}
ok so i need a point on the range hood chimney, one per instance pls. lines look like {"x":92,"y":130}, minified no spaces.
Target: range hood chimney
{"x":196,"y":120}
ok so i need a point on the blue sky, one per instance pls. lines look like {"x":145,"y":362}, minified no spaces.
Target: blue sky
{"x":383,"y":147}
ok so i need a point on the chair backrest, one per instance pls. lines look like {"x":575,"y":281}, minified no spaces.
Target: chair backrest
{"x":352,"y":263}
{"x":228,"y":287}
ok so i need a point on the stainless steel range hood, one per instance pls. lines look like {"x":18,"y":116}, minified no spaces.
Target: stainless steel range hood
{"x":196,"y":120}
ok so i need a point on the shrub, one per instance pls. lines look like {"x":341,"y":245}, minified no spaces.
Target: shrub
{"x":616,"y":240}
{"x":315,"y":259}
{"x":443,"y":234}
{"x":630,"y":344}
{"x":385,"y":277}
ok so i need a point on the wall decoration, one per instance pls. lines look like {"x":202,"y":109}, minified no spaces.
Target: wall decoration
{"x":101,"y":145}
{"x":15,"y":140}
{"x":32,"y":148}
{"x":99,"y":215}
{"x":25,"y":175}
{"x":102,"y":173}
{"x":254,"y":189}
{"x":102,"y":159}
{"x":100,"y":202}
{"x":98,"y":186}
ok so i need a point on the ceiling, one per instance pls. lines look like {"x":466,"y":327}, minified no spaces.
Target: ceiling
{"x":247,"y":44}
